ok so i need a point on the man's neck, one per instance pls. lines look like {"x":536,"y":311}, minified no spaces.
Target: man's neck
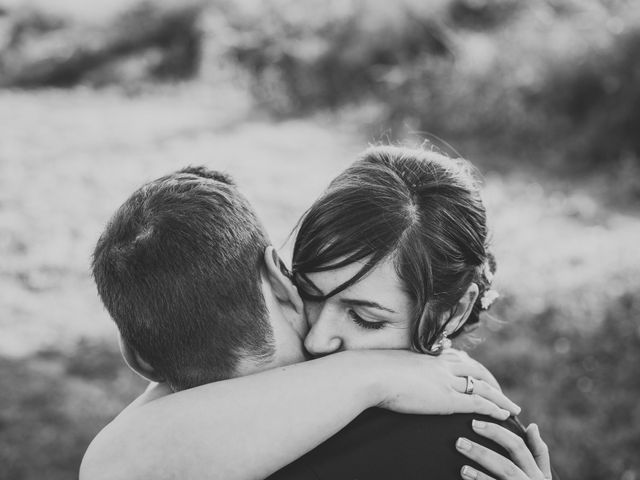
{"x":153,"y":392}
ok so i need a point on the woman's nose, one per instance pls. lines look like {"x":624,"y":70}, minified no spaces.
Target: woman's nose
{"x":323,"y":337}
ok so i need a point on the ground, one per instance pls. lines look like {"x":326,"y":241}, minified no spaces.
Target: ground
{"x":68,"y":158}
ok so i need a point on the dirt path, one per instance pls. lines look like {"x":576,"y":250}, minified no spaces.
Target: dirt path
{"x":69,"y":158}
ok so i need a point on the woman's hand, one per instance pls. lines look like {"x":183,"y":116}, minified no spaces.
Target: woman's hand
{"x":483,"y":372}
{"x":422,"y":384}
{"x":525,"y":464}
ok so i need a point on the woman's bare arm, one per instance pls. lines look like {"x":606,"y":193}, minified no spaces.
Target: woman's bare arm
{"x":249,"y":427}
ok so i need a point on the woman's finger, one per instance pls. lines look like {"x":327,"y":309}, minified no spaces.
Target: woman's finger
{"x":539,"y":449}
{"x":454,"y":354}
{"x":470,"y":473}
{"x":470,"y":367}
{"x":464,"y":403}
{"x":492,"y":394}
{"x":498,"y":465}
{"x":512,"y":443}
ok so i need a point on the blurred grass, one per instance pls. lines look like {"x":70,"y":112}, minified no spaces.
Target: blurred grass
{"x":543,"y":95}
{"x":53,"y":404}
{"x":585,"y":388}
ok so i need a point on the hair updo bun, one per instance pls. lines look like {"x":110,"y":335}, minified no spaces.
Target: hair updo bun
{"x":418,"y":207}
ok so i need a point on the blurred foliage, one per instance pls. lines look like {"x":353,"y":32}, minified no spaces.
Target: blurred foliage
{"x":536,"y":77}
{"x":600,"y":100}
{"x":579,"y":384}
{"x":149,"y":41}
{"x":52,"y":405}
{"x":553,"y":81}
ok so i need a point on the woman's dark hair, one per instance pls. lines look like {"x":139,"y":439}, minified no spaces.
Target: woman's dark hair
{"x":418,"y":207}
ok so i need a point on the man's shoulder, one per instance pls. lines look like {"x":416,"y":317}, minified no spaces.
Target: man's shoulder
{"x":417,"y":439}
{"x":384,"y":444}
{"x":431,"y":427}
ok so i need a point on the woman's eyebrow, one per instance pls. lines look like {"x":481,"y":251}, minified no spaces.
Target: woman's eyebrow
{"x":366,"y":303}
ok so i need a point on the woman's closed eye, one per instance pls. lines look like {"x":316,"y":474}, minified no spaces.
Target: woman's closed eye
{"x":361,"y":322}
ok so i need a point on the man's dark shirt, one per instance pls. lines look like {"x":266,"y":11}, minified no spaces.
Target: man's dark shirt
{"x":380,"y":444}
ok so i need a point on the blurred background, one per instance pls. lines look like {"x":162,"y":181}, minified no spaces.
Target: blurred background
{"x":543,"y":96}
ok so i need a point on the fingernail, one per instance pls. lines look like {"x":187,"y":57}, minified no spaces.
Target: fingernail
{"x":479,"y":424}
{"x":463,"y":444}
{"x":518,"y":410}
{"x":469,"y":472}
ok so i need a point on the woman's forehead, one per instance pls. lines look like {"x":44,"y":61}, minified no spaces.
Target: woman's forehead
{"x":381,"y":284}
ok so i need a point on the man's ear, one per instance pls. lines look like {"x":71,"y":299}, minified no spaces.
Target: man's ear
{"x":461,"y":310}
{"x":281,"y":285}
{"x":137,"y":363}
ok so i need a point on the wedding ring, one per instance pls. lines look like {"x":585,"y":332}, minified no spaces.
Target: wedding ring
{"x":470,"y":384}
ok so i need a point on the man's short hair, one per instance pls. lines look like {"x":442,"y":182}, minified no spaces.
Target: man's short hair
{"x":178,"y":268}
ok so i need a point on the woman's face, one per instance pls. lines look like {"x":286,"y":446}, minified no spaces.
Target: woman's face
{"x":374,"y":313}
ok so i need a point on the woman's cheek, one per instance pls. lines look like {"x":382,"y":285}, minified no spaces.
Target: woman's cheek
{"x":385,"y":338}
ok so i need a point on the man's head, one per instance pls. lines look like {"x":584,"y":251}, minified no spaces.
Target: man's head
{"x":182,"y":269}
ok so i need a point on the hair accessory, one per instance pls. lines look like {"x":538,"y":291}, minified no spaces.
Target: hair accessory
{"x":488,"y":297}
{"x":441,"y":344}
{"x":486,"y":271}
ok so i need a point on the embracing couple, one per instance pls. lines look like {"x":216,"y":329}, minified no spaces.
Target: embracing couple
{"x":340,"y":368}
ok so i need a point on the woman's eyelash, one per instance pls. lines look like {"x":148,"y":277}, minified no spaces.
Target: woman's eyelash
{"x":358,"y":320}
